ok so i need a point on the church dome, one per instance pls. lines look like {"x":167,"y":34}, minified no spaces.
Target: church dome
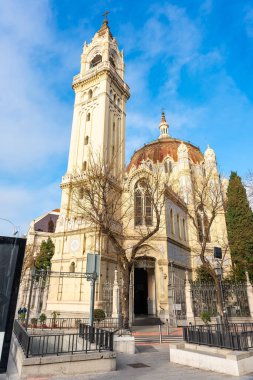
{"x":158,"y":150}
{"x":165,"y":147}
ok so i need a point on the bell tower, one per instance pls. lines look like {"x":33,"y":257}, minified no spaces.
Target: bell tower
{"x":99,"y":111}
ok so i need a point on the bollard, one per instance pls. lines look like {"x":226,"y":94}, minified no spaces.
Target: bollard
{"x":160,"y":332}
{"x":167,"y":327}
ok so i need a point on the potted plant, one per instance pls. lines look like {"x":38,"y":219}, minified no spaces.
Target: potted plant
{"x":34,"y":322}
{"x":42,"y":320}
{"x":99,"y":315}
{"x":55,"y":315}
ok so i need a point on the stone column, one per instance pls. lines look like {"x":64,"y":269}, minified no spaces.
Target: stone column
{"x":188,"y":299}
{"x":249,"y":294}
{"x":45,"y":295}
{"x":36,"y":305}
{"x":131,"y":298}
{"x":115,"y":296}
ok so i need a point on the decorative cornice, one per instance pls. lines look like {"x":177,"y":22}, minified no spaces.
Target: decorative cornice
{"x":96,"y":73}
{"x":172,"y":241}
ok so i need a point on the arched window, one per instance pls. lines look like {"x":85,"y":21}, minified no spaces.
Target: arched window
{"x":88,"y":117}
{"x":202,"y":222}
{"x":143,"y":213}
{"x":84,"y":244}
{"x":184,"y":230}
{"x":168,"y":166}
{"x":113,"y":151}
{"x":138,"y":207}
{"x":172,"y":225}
{"x":84,"y":166}
{"x":86,"y":140}
{"x":81,"y":193}
{"x":148,"y":209}
{"x":90,"y":94}
{"x":179,"y":227}
{"x":50,"y":226}
{"x":113,"y":128}
{"x":111,"y":94}
{"x":112,"y":61}
{"x":72,"y":267}
{"x":203,"y":169}
{"x":96,"y":60}
{"x":114,"y":98}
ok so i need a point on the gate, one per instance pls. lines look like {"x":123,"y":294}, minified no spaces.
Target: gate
{"x":178,"y":296}
{"x":234,"y":295}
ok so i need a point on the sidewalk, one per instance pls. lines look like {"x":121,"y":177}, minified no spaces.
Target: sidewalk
{"x":153,"y":363}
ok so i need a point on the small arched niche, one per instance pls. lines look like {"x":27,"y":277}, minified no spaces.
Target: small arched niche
{"x":90,"y":94}
{"x":72,"y":267}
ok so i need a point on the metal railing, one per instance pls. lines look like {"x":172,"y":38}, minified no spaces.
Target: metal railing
{"x":234,"y":336}
{"x":73,"y":323}
{"x":62,"y":343}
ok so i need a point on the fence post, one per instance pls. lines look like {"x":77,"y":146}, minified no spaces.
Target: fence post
{"x":249,"y":294}
{"x":115,"y":297}
{"x":188,"y":299}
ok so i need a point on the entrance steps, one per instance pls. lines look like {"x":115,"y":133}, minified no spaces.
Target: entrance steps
{"x":155,"y":339}
{"x":148,"y":335}
{"x":147,"y":321}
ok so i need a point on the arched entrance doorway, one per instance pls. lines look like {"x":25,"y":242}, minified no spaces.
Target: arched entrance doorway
{"x":144,"y":286}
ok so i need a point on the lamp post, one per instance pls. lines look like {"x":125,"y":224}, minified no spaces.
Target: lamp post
{"x":15,"y":229}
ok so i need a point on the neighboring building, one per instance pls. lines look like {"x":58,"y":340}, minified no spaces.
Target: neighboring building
{"x":99,"y":127}
{"x":41,"y":229}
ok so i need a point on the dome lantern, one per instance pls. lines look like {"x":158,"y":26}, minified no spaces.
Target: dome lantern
{"x":163,"y":126}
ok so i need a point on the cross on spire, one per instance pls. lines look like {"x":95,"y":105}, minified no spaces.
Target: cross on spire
{"x":105,"y":14}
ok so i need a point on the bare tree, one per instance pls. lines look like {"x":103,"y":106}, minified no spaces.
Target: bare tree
{"x":103,"y":202}
{"x":206,"y":209}
{"x":28,"y":261}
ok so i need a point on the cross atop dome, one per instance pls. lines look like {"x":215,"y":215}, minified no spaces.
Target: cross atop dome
{"x":163,"y":126}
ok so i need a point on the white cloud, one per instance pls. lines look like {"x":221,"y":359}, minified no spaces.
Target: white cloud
{"x":248,"y":19}
{"x":21,"y":205}
{"x":35,"y":120}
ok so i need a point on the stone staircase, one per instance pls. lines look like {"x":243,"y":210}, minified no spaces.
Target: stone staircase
{"x":151,"y":338}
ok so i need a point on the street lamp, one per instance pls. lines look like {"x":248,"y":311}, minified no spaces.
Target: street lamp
{"x":15,"y":229}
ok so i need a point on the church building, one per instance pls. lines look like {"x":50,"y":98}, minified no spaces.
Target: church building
{"x":169,"y":258}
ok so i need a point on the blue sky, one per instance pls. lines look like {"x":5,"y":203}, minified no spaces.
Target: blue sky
{"x":192,"y":58}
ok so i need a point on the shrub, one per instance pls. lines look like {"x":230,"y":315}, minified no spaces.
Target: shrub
{"x":34,"y":322}
{"x":99,"y":314}
{"x":42,"y":318}
{"x":206,"y":317}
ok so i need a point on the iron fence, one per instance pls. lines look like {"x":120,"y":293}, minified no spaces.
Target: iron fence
{"x":204,"y":298}
{"x":236,"y":336}
{"x":62,"y":343}
{"x":73,"y":323}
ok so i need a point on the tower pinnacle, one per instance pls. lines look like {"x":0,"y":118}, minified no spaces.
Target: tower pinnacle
{"x":164,"y":126}
{"x":105,"y":25}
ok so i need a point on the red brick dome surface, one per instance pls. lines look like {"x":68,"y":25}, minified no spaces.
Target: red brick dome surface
{"x":160,"y":149}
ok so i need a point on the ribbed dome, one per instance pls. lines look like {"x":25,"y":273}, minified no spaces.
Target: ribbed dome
{"x":160,"y":149}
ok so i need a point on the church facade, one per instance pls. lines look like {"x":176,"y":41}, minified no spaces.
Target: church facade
{"x":171,"y":255}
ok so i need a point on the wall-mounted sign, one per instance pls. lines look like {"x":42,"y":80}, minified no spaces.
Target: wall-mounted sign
{"x":11,"y":259}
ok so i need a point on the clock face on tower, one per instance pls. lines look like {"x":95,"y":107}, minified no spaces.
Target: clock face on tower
{"x":74,"y":245}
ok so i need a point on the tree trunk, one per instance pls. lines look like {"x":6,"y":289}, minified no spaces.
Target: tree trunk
{"x":125,"y":295}
{"x":219,"y":297}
